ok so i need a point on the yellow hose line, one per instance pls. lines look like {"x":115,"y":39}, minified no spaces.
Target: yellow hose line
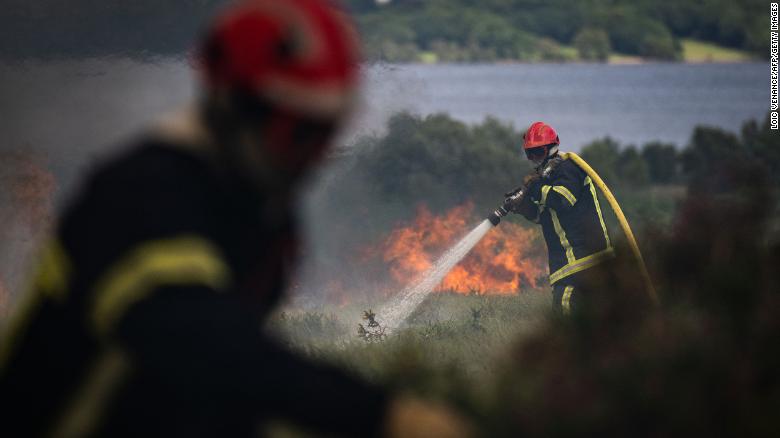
{"x":621,"y":218}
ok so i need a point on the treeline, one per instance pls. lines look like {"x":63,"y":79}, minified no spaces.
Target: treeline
{"x":533,"y":30}
{"x":433,"y":160}
{"x":710,"y":148}
{"x":441,"y":162}
{"x":405,"y":30}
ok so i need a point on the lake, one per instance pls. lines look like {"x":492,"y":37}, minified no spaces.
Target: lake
{"x":631,"y":103}
{"x":75,"y":111}
{"x":79,"y":109}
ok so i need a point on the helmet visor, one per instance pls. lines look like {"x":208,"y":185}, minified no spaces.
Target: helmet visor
{"x":538,"y":153}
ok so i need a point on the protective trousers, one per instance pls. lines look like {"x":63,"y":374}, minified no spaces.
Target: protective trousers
{"x":570,"y":294}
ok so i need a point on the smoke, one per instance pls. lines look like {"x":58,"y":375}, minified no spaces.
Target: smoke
{"x":76,"y":111}
{"x":71,"y":114}
{"x":58,"y":118}
{"x":26,"y":215}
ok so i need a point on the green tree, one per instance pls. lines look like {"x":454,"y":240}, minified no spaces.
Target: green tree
{"x":592,"y":44}
{"x":639,"y":35}
{"x":662,"y":161}
{"x":660,"y":46}
{"x":710,"y":149}
{"x":631,"y":168}
{"x":439,"y":161}
{"x":603,"y":156}
{"x":763,"y":145}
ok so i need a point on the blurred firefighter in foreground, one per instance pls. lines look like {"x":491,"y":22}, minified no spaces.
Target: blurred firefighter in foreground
{"x":145,"y":315}
{"x":562,"y":198}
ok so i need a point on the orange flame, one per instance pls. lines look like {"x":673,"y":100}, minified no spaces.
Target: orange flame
{"x":510,"y":257}
{"x":32,"y":189}
{"x":25,"y":212}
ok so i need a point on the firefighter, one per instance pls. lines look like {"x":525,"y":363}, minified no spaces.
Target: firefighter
{"x":562,"y":198}
{"x":144,"y":317}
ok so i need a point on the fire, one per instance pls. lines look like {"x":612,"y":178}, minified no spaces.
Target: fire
{"x":26,"y":214}
{"x":506,"y":261}
{"x":31,"y":188}
{"x":34,"y":193}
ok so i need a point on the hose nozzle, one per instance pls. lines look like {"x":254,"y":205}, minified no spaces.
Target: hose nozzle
{"x":497,"y":214}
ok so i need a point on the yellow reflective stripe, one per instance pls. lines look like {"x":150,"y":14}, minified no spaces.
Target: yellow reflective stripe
{"x":53,"y":272}
{"x":566,"y":300}
{"x":51,"y":280}
{"x":563,"y":191}
{"x":562,"y":236}
{"x":182,"y":260}
{"x":82,"y":414}
{"x":598,"y":209}
{"x":20,"y":319}
{"x":545,"y":192}
{"x":581,"y":264}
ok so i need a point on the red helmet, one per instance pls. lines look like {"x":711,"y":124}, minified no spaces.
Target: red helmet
{"x":293,"y":63}
{"x":539,"y":134}
{"x":540,"y":141}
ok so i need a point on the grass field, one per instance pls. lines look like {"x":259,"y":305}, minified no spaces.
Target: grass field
{"x":465,"y":334}
{"x":619,"y":58}
{"x":693,"y":51}
{"x":453,"y":347}
{"x":700,"y":51}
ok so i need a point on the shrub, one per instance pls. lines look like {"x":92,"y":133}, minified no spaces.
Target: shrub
{"x":592,"y":44}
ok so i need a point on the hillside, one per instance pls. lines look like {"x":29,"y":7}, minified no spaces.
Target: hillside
{"x":409,"y":30}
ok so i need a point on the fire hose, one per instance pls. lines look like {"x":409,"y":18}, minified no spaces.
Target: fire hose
{"x":516,"y":194}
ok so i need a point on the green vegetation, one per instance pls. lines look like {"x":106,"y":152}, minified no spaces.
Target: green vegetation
{"x":528,"y":30}
{"x":659,"y":163}
{"x":592,"y":44}
{"x":415,"y":30}
{"x":433,"y":160}
{"x":700,"y":51}
{"x":446,"y":330}
{"x":702,"y":363}
{"x":650,"y":180}
{"x":442,"y":162}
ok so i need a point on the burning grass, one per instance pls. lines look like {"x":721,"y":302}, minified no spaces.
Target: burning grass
{"x":26,"y":209}
{"x":509,"y":258}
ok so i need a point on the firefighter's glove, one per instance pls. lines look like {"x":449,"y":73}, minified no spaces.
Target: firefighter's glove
{"x":513,"y":202}
{"x":533,"y":187}
{"x":410,"y":417}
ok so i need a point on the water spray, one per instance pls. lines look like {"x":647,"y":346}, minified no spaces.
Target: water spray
{"x":403,"y":304}
{"x":410,"y":298}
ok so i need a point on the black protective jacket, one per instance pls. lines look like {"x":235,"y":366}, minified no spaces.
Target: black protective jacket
{"x":565,"y":203}
{"x":145,"y":315}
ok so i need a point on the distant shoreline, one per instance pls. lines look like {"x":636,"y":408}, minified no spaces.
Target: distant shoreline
{"x":182,"y":58}
{"x":608,"y":63}
{"x":621,"y":61}
{"x":691,"y":52}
